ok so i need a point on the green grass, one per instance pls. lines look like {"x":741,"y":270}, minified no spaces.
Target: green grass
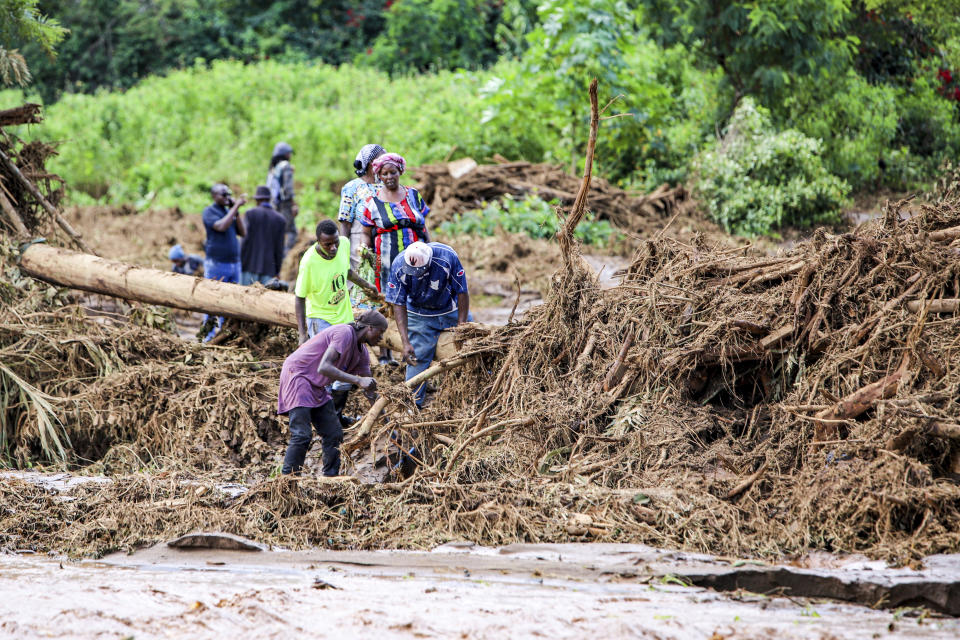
{"x":166,"y":140}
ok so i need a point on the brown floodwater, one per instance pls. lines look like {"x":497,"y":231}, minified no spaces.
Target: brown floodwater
{"x":457,"y":591}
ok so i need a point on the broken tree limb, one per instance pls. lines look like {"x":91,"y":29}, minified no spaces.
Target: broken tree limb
{"x":945,"y":234}
{"x":482,"y":433}
{"x":28,"y":113}
{"x":943,"y":305}
{"x":857,"y":402}
{"x":579,"y":208}
{"x":775,"y":338}
{"x":357,"y":439}
{"x":617,"y":368}
{"x":32,"y":188}
{"x":913,"y":281}
{"x":109,"y":277}
{"x":15,"y":220}
{"x":747,"y":482}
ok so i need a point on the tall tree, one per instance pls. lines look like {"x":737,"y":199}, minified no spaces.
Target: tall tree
{"x":759,"y":44}
{"x":20,"y":24}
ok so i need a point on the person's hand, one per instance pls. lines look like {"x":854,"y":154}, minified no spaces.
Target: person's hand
{"x":304,"y":336}
{"x":367,"y":384}
{"x":408,"y":354}
{"x":242,"y":200}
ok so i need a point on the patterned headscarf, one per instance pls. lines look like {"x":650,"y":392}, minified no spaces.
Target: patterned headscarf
{"x":368,"y":153}
{"x":389,"y":158}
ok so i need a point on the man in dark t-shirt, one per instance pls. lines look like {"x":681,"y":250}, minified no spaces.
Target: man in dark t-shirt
{"x":262,"y":250}
{"x":223,"y":227}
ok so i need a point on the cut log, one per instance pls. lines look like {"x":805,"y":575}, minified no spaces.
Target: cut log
{"x":152,"y":286}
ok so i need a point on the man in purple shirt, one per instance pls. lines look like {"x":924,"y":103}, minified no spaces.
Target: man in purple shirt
{"x":338,"y":353}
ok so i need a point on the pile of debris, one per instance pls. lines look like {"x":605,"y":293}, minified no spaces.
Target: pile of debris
{"x":464,"y":185}
{"x":715,"y":401}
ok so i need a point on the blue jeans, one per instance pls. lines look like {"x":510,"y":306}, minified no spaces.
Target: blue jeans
{"x":247,"y":278}
{"x":224,"y":272}
{"x":325,"y":421}
{"x":423,"y":332}
{"x":315,"y":326}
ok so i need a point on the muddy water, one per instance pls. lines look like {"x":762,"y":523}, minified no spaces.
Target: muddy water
{"x":554,"y":591}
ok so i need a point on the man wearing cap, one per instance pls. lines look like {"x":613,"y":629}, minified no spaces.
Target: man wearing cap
{"x":280,"y":183}
{"x":336,"y":354}
{"x":223,"y":227}
{"x":428,"y":290}
{"x":188,"y":265}
{"x":261,"y":253}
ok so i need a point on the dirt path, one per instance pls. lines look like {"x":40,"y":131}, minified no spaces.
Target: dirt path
{"x":552,"y":591}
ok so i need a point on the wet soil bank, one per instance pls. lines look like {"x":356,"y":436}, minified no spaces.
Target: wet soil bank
{"x":459,"y":590}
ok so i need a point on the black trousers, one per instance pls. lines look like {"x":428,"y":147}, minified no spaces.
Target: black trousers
{"x":324,"y":418}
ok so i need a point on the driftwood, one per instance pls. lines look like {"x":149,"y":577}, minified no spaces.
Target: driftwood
{"x":943,"y":305}
{"x":857,"y":402}
{"x":358,"y":438}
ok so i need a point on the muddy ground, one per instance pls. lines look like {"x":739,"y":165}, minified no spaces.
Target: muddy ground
{"x":455,"y":591}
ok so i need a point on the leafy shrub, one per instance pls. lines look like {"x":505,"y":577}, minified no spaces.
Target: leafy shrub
{"x":856,"y":121}
{"x":755,"y":180}
{"x":530,"y":215}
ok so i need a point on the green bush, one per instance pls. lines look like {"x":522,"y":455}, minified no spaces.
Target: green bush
{"x":530,"y":215}
{"x":856,"y":121}
{"x":756,"y":180}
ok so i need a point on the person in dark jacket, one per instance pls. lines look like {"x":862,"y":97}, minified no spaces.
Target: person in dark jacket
{"x":262,"y":250}
{"x":280,"y":183}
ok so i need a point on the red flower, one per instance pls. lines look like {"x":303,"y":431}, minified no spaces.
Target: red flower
{"x":945,"y":75}
{"x":956,"y":93}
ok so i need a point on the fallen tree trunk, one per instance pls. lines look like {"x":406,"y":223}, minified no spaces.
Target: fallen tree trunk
{"x":152,"y":286}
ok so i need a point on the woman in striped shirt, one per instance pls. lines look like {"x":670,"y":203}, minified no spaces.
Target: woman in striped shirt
{"x":394,"y":217}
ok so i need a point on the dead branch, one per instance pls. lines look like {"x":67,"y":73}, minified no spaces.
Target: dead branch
{"x":747,"y":482}
{"x":32,"y":188}
{"x":13,"y":216}
{"x":617,"y":368}
{"x":357,"y":439}
{"x":943,"y":305}
{"x":857,"y":402}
